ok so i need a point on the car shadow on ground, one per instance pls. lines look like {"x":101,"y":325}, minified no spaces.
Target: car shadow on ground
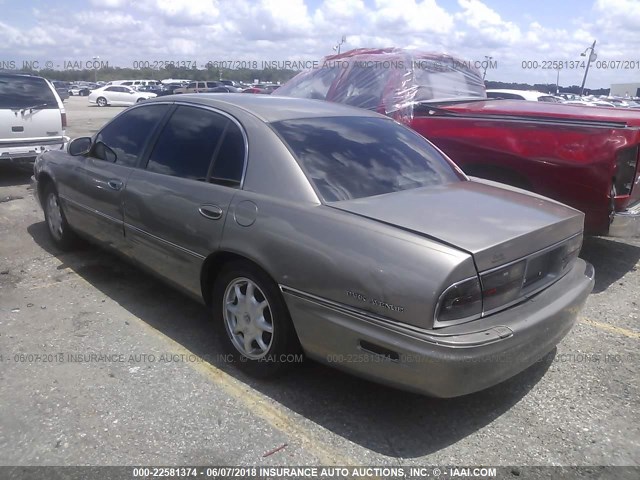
{"x":388,"y":421}
{"x":612,"y":259}
{"x":13,"y":174}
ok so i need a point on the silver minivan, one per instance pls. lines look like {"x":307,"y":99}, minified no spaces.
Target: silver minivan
{"x":32,"y":118}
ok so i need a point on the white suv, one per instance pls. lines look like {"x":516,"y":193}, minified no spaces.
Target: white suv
{"x":32,"y":118}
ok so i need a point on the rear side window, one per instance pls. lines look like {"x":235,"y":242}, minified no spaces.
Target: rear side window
{"x":229,"y":162}
{"x":355,"y":157}
{"x":128,"y":134}
{"x":24,"y":91}
{"x":187,"y":143}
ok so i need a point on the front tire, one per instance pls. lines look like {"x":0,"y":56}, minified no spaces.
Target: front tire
{"x":59,"y":230}
{"x":253,"y":322}
{"x":101,"y":102}
{"x":140,"y":100}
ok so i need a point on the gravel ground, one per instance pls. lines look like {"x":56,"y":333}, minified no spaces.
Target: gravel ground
{"x":166,"y":397}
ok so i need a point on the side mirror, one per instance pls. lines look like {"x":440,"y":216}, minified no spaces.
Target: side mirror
{"x":104,"y":152}
{"x":79,"y":146}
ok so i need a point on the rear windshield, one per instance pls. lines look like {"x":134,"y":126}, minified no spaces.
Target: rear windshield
{"x":355,"y":157}
{"x":23,"y":92}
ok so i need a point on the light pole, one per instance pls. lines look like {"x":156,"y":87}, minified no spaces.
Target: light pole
{"x":592,"y":58}
{"x":558,"y":82}
{"x":95,"y":69}
{"x":486,"y":64}
{"x":339,"y":44}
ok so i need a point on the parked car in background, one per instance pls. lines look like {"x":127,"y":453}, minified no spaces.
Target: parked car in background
{"x":302,"y":226}
{"x":32,"y":118}
{"x":262,"y":88}
{"x":530,"y":95}
{"x":157,"y":89}
{"x":579,"y":155}
{"x":135,"y":83}
{"x":62,"y":88}
{"x":226,"y":89}
{"x":79,"y":90}
{"x":118,"y":95}
{"x":168,"y":89}
{"x":198,"y":87}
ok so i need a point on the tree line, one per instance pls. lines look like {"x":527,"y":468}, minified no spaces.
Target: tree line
{"x":116,"y":73}
{"x":546,"y":88}
{"x":267,"y":75}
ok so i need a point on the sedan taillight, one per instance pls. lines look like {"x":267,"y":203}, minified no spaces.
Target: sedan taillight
{"x":460,"y":303}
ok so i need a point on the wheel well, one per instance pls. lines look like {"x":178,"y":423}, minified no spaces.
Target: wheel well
{"x":44,"y":179}
{"x":500,"y":174}
{"x":212,"y":266}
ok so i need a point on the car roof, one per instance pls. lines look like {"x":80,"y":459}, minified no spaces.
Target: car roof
{"x":19,"y":75}
{"x":270,"y":108}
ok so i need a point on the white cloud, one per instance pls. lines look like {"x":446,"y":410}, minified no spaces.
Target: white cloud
{"x":411,"y":16}
{"x":487,"y":24}
{"x":109,"y":3}
{"x":203,"y":30}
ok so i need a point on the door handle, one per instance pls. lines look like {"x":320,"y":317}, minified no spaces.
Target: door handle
{"x":114,"y":184}
{"x":212,"y":212}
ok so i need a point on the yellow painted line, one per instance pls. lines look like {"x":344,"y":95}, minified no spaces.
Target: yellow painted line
{"x":260,"y":405}
{"x":611,"y":328}
{"x":253,"y":401}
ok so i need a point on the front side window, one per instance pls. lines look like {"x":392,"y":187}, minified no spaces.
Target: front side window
{"x":355,"y":157}
{"x":128,"y":134}
{"x":186,"y":145}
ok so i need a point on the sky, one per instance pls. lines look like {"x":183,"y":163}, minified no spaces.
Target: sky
{"x":515,"y":34}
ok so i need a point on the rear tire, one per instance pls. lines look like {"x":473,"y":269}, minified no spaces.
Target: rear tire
{"x":253,"y":322}
{"x":101,"y":102}
{"x":59,"y":230}
{"x":140,"y":100}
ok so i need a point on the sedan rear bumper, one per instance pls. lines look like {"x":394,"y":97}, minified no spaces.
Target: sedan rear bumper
{"x":447,"y":362}
{"x":626,"y":223}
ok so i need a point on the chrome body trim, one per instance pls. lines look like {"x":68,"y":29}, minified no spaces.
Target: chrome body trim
{"x":626,"y":223}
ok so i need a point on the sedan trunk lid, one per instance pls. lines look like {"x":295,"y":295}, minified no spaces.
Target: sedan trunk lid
{"x":496,"y":224}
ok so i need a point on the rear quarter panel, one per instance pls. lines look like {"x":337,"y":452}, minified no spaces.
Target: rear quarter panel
{"x":328,"y":253}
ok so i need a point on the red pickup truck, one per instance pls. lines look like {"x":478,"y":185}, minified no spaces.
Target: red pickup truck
{"x":583,"y":156}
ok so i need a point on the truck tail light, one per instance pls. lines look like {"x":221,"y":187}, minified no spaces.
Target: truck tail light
{"x":63,"y":117}
{"x":626,"y":164}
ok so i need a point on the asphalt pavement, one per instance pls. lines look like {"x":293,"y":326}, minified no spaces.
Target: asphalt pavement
{"x":102,"y":364}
